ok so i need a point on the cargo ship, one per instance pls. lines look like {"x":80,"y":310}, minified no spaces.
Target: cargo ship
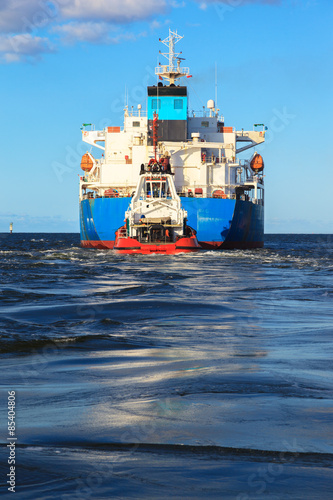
{"x":223,"y":196}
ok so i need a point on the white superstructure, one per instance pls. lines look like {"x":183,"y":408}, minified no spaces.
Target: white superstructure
{"x":204,"y":161}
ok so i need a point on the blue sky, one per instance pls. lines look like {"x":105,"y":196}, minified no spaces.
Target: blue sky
{"x":65,"y":62}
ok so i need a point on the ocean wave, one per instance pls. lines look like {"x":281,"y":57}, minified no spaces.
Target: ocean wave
{"x":286,"y":453}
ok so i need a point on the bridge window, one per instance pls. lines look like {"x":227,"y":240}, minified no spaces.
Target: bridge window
{"x":159,"y":189}
{"x":178,"y":104}
{"x":156,"y":103}
{"x":148,"y":189}
{"x":156,"y":190}
{"x":205,"y":124}
{"x":136,"y":124}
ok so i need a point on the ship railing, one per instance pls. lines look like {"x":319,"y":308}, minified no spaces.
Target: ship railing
{"x":136,"y":112}
{"x":148,"y":197}
{"x":207,"y":191}
{"x":112,"y":161}
{"x":255,"y":178}
{"x":204,"y":113}
{"x":212,"y":160}
{"x":225,"y":191}
{"x":201,"y":192}
{"x":165,"y":68}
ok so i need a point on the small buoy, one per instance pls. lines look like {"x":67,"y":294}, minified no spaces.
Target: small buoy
{"x":257,"y":163}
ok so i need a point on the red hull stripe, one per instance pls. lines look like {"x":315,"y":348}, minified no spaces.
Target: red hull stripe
{"x":99,"y":244}
{"x":206,"y":245}
{"x":130,"y":245}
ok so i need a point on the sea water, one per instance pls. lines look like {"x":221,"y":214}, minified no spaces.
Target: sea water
{"x":204,"y":375}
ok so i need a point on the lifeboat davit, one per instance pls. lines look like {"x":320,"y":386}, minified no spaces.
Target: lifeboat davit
{"x":257,"y":163}
{"x":87,"y":162}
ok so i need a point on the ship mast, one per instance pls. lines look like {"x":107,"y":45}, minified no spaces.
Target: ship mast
{"x":171,"y":71}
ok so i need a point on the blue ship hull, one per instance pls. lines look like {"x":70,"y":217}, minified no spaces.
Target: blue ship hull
{"x":220,"y":223}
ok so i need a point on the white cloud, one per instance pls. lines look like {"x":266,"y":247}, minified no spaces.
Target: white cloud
{"x":10,"y":57}
{"x":21,"y":16}
{"x":23,"y":47}
{"x":239,"y":3}
{"x":113,"y":11}
{"x":25,"y":16}
{"x":92,"y":21}
{"x":177,"y":5}
{"x":155,"y":25}
{"x":123,"y":37}
{"x":92,"y":32}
